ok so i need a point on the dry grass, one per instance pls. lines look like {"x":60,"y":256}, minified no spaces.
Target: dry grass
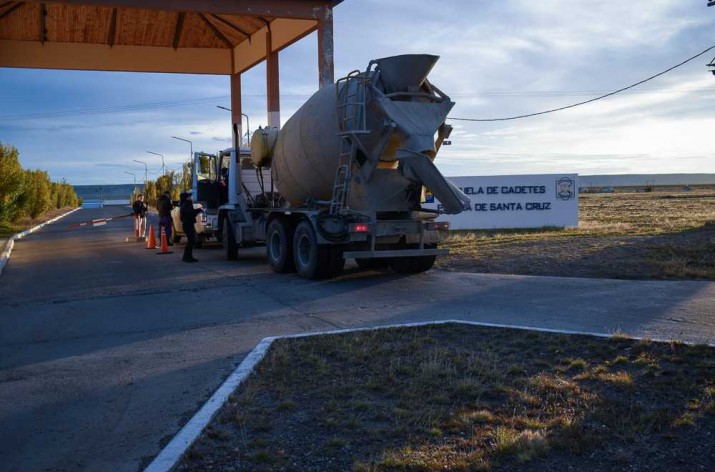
{"x":623,"y":235}
{"x":464,"y":398}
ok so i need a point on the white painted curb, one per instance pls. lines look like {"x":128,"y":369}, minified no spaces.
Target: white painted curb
{"x":5,"y":255}
{"x":172,"y":452}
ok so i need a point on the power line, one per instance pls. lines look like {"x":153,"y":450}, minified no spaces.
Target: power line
{"x":587,"y":101}
{"x":567,"y":93}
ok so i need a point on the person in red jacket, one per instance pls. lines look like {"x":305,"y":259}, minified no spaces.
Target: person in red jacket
{"x":140,"y":210}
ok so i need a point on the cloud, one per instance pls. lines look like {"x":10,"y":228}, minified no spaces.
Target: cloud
{"x":497,"y":59}
{"x":109,"y":164}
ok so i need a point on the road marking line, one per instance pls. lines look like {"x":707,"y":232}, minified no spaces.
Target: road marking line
{"x":172,"y":452}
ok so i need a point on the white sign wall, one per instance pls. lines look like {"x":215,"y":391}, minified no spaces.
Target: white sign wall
{"x":515,"y":201}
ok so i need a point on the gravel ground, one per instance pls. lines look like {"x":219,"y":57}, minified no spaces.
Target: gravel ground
{"x":685,"y":255}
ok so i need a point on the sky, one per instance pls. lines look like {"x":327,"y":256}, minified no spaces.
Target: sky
{"x":497,"y":59}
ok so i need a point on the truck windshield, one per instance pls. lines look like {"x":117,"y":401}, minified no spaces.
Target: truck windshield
{"x":225,"y":162}
{"x":206,"y":167}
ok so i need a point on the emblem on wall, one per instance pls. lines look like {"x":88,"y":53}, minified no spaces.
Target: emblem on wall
{"x":565,"y":188}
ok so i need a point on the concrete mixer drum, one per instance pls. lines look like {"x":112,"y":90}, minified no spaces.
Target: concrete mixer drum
{"x":344,"y":145}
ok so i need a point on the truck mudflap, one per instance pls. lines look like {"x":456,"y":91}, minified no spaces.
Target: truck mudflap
{"x":394,"y":253}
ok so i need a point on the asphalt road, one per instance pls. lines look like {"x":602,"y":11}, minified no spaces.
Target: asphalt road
{"x":106,"y":348}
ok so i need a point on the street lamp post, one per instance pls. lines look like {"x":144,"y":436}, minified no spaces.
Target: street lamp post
{"x":191,"y":146}
{"x":146,"y":170}
{"x":133,"y":175}
{"x":163,"y":168}
{"x":248,"y":123}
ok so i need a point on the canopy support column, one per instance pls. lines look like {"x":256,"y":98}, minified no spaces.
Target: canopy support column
{"x":326,"y":74}
{"x":272,"y":83}
{"x":236,"y":110}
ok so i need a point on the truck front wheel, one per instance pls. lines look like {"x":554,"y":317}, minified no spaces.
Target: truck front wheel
{"x":279,"y":246}
{"x":228,"y":241}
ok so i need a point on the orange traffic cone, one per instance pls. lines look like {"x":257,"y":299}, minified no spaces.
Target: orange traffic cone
{"x":151,"y":242}
{"x":164,"y":243}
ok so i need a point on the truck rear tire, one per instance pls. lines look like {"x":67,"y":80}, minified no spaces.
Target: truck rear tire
{"x":376,"y":263}
{"x":228,"y":241}
{"x":313,"y":261}
{"x":412,"y":265}
{"x":331,"y":261}
{"x":305,"y":251}
{"x":279,"y":246}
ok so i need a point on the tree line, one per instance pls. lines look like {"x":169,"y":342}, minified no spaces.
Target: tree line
{"x":25,"y":192}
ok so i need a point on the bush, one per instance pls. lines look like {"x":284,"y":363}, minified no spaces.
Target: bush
{"x":39,"y":195}
{"x":12,"y":183}
{"x":29,"y":192}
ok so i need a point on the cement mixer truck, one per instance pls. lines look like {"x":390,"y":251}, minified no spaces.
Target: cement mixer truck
{"x":346,"y":175}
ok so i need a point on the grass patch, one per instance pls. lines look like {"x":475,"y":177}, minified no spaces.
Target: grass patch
{"x":462,"y":398}
{"x":8,"y":229}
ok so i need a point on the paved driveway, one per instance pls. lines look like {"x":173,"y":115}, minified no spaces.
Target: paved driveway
{"x":106,"y":348}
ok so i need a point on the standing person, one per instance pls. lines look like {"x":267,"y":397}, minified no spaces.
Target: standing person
{"x":140,"y":209}
{"x":188,"y":219}
{"x":163,"y":207}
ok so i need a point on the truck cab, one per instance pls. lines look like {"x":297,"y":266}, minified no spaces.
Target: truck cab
{"x":217,"y":190}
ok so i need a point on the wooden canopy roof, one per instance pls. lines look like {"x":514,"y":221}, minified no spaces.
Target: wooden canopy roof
{"x":191,"y":36}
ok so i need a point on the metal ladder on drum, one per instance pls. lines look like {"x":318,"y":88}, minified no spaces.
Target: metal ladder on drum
{"x":351,"y":122}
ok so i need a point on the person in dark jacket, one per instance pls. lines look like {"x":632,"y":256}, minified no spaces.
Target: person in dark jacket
{"x":140,"y":210}
{"x":188,"y":219}
{"x":163,"y":207}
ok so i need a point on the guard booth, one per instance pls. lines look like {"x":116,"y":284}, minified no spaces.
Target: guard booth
{"x":175,"y":36}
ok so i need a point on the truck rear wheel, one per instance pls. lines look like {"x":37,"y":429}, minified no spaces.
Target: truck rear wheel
{"x":311,"y":260}
{"x":332,"y":260}
{"x":373,"y":263}
{"x":279,"y":246}
{"x":228,"y":241}
{"x":305,"y":250}
{"x":412,"y":265}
